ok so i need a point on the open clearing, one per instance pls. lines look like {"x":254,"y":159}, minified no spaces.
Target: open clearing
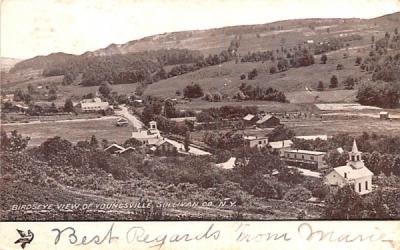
{"x":73,"y":131}
{"x":354,"y":126}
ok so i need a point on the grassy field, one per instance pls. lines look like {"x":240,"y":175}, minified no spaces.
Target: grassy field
{"x":354,"y":126}
{"x":73,"y":130}
{"x":226,"y":78}
{"x":262,"y":105}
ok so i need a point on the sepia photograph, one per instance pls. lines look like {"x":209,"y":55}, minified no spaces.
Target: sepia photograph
{"x":225,"y":110}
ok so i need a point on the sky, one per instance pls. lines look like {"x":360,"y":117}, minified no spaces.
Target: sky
{"x":39,"y":27}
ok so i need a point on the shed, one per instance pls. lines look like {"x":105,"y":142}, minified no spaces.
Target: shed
{"x":268,"y":121}
{"x":384,"y":115}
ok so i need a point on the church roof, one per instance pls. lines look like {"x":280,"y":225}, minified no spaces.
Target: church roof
{"x":353,"y":173}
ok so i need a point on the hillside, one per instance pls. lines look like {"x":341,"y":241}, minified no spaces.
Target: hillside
{"x":208,"y":57}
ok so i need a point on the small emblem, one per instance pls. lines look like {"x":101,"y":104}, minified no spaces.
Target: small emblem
{"x":26,"y":238}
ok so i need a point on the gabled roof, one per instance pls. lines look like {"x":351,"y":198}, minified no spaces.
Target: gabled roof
{"x":353,"y":173}
{"x":127,"y":150}
{"x":265,"y":118}
{"x":114,"y":146}
{"x":248,"y":117}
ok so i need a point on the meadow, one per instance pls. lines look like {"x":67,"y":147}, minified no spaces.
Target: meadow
{"x":73,"y":130}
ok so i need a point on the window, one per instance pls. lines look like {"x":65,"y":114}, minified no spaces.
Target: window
{"x":345,"y":175}
{"x":359,"y":187}
{"x":302,"y":156}
{"x":259,"y":142}
{"x":312,"y":157}
{"x":352,"y":158}
{"x":366,"y":185}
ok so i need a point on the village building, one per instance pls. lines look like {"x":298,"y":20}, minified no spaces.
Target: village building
{"x":250,"y":120}
{"x":94,"y":104}
{"x":114,"y":149}
{"x":384,"y":115}
{"x":150,"y":136}
{"x":354,"y":173}
{"x":255,"y":141}
{"x":122,"y":122}
{"x":165,"y":147}
{"x":281,"y":146}
{"x":268,"y":121}
{"x":184,"y":119}
{"x":313,"y":137}
{"x":312,"y":160}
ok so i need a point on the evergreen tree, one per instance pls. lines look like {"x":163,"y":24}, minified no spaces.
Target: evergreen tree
{"x":93,"y":142}
{"x":187,"y":141}
{"x":334,"y":82}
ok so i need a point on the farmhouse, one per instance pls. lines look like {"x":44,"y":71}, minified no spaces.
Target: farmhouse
{"x":94,"y":104}
{"x":255,"y":141}
{"x":353,"y":173}
{"x":268,"y":121}
{"x":312,"y":160}
{"x":249,"y":120}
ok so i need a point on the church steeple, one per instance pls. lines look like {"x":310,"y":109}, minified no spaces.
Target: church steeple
{"x":355,"y":157}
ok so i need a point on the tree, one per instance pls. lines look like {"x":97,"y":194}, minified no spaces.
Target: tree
{"x":320,"y":86}
{"x":187,"y":141}
{"x":132,"y":142}
{"x":334,"y":159}
{"x":105,"y":89}
{"x":169,"y":109}
{"x":68,"y":105}
{"x":252,"y":74}
{"x":298,"y":194}
{"x":358,"y":60}
{"x":93,"y":142}
{"x":242,"y":76}
{"x":334,"y":82}
{"x":349,"y":83}
{"x":339,"y":66}
{"x":193,"y":91}
{"x":324,"y":58}
{"x":345,"y":204}
{"x":15,"y":143}
{"x":381,"y":94}
{"x":273,"y":70}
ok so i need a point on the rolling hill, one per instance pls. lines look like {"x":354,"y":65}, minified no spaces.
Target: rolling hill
{"x":354,"y":35}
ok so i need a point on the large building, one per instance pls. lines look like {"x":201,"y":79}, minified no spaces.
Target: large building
{"x":307,"y":159}
{"x":354,"y":173}
{"x":281,"y":146}
{"x":94,"y":104}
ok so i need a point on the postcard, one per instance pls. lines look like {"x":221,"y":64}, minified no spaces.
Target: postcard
{"x":227,"y":124}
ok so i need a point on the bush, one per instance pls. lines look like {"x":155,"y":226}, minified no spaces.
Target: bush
{"x":298,"y":194}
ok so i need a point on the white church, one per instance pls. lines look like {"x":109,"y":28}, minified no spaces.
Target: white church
{"x":354,"y":173}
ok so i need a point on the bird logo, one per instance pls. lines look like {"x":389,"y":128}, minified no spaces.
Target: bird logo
{"x":26,"y":238}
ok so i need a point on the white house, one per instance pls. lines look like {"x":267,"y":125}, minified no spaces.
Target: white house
{"x":255,"y":141}
{"x":94,"y":104}
{"x":354,"y":173}
{"x":281,"y":146}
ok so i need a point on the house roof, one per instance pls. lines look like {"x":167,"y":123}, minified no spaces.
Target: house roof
{"x":265,"y":118}
{"x":248,"y":117}
{"x":254,"y":138}
{"x":127,"y":150}
{"x":229,"y":164}
{"x":182,"y":119}
{"x":353,"y":173}
{"x":383,"y":113}
{"x":114,"y":146}
{"x":281,"y":144}
{"x":308,"y":152}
